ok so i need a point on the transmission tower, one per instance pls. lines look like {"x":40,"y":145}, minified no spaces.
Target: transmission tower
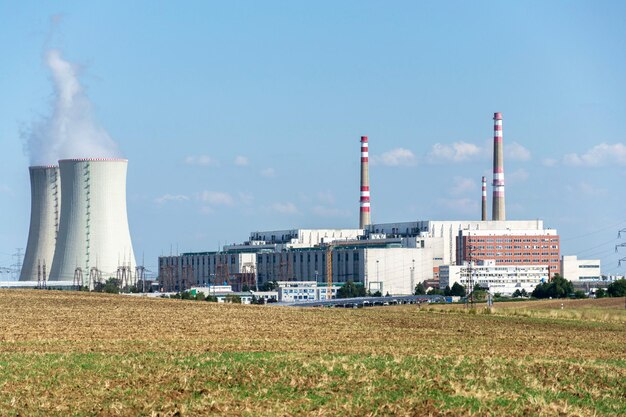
{"x":140,"y":275}
{"x":95,"y":277}
{"x":124,"y":276}
{"x":620,"y":245}
{"x":78,"y":278}
{"x":17,"y":266}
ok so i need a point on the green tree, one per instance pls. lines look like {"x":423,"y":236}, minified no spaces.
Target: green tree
{"x":457,"y":290}
{"x":350,"y":290}
{"x":269,"y":286}
{"x":211,"y":298}
{"x":558,"y":287}
{"x":419,"y":289}
{"x":232,"y":298}
{"x":617,"y":288}
{"x":601,"y":293}
{"x":111,"y":286}
{"x":447,"y":291}
{"x":580,"y":294}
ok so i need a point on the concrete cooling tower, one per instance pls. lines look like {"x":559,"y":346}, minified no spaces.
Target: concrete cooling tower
{"x":45,"y":206}
{"x":93,"y":228}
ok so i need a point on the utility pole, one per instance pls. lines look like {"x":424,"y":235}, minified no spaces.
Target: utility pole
{"x":469,"y":286}
{"x":413,"y":277}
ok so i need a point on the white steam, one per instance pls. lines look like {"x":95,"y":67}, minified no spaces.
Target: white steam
{"x":70,"y":131}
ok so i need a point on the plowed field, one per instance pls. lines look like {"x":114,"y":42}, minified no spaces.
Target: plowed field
{"x":64,"y":353}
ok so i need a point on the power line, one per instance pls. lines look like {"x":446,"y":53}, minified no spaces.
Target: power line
{"x":595,"y":231}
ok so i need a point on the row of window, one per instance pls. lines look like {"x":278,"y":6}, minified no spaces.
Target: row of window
{"x":510,"y":240}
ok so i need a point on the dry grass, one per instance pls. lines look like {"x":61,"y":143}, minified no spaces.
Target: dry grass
{"x":602,"y":310}
{"x":90,"y":354}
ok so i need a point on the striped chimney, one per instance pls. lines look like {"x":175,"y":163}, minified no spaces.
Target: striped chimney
{"x":364,"y":218}
{"x":484,"y":204}
{"x":498,"y":169}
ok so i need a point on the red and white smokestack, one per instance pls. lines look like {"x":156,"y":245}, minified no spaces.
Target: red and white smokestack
{"x":498,"y":169}
{"x":484,"y":201}
{"x":364,"y":218}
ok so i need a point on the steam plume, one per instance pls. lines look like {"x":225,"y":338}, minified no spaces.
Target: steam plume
{"x":70,"y":131}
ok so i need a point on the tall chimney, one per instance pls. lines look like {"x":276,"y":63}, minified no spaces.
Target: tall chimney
{"x":364,"y":218}
{"x":498,"y":169}
{"x":484,"y":204}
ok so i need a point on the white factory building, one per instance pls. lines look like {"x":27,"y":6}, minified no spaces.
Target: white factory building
{"x":448,"y":231}
{"x":575,"y":269}
{"x":502,"y":279}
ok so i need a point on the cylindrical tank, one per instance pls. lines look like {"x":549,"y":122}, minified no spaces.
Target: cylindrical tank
{"x":93,"y":228}
{"x":45,"y":206}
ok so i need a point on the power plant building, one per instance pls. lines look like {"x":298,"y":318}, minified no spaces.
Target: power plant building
{"x":93,"y":226}
{"x":511,"y":247}
{"x":502,"y":279}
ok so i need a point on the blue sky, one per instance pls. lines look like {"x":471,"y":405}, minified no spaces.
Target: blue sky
{"x":244,"y":115}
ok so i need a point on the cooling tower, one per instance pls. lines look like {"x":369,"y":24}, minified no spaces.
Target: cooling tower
{"x":93,"y":228}
{"x":45,"y":199}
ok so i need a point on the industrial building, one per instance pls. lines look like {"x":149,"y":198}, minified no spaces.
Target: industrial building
{"x":502,"y":279}
{"x":576,"y":270}
{"x":511,"y":246}
{"x":299,"y":291}
{"x":179,"y":273}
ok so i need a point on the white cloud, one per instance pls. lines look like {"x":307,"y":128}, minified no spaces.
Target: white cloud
{"x":456,"y":152}
{"x":171,"y":197}
{"x":241,"y":161}
{"x":599,"y":155}
{"x":462,"y":185}
{"x":326,"y":197}
{"x":284,"y":208}
{"x":324,"y":211}
{"x":550,"y":162}
{"x":466,"y":206}
{"x":515,"y":151}
{"x":268,"y":172}
{"x":216,"y":198}
{"x":202,"y":160}
{"x":246,"y":198}
{"x":518,"y":176}
{"x":586,"y":189}
{"x":395,"y":157}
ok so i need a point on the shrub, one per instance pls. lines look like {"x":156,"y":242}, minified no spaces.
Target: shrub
{"x":617,"y":288}
{"x":232,"y":298}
